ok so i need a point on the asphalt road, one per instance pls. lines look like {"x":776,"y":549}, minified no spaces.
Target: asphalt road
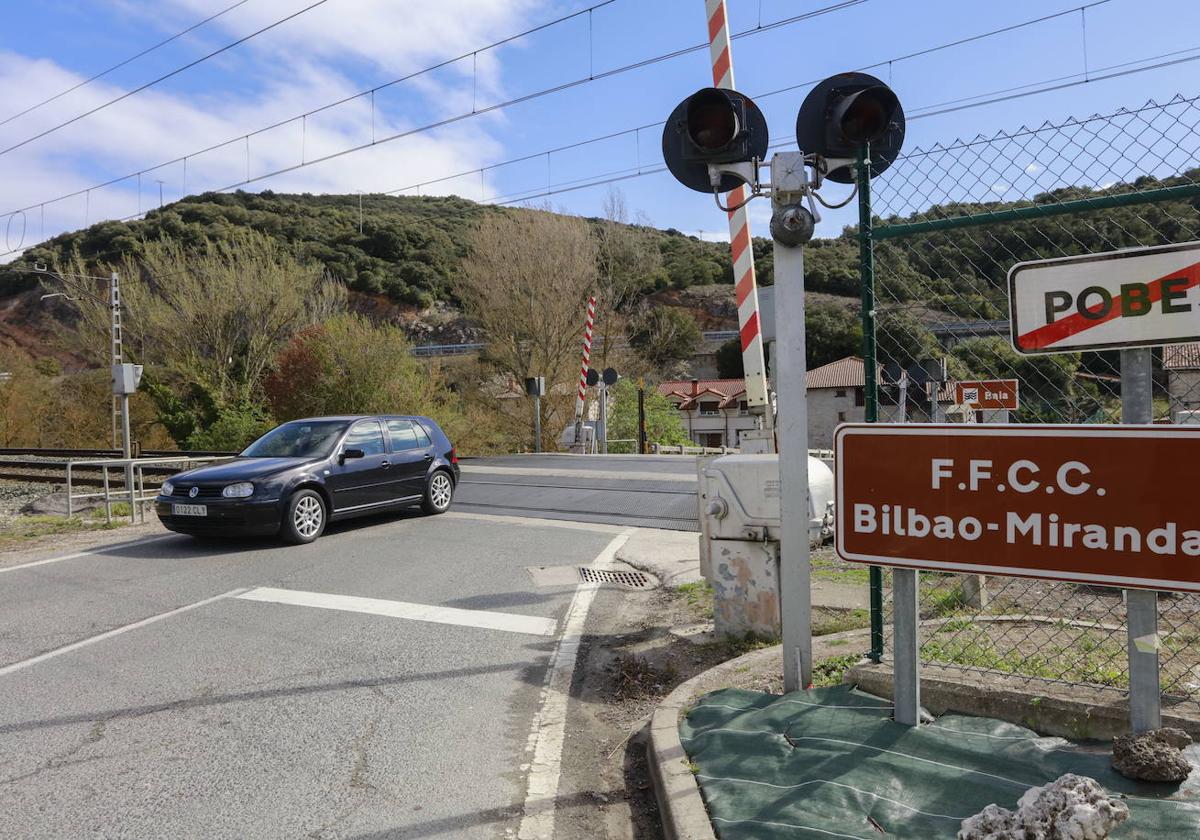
{"x":394,"y":679}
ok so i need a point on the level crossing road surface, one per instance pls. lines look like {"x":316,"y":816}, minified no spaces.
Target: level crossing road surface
{"x":640,"y":491}
{"x":393,"y":679}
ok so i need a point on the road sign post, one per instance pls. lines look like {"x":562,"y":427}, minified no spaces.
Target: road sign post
{"x":795,"y":587}
{"x":1141,"y":606}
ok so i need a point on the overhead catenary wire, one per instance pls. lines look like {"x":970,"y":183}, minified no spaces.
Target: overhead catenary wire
{"x":1096,"y":75}
{"x":163,"y":77}
{"x":121,"y":64}
{"x":449,"y":120}
{"x":1049,"y":85}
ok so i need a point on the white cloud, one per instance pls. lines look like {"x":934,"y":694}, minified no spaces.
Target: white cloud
{"x":1034,"y":168}
{"x":298,"y":66}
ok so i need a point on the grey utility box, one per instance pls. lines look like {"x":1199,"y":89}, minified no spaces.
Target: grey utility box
{"x":125,"y":378}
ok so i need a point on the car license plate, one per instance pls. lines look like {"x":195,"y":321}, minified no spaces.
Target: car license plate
{"x":189,"y":510}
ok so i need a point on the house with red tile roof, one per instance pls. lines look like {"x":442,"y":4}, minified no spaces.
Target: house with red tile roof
{"x":714,"y":410}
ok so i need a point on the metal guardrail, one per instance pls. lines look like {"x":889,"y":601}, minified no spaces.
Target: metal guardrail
{"x":475,"y":347}
{"x":39,"y":452}
{"x":135,"y":493}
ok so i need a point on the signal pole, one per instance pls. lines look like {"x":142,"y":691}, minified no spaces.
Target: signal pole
{"x":118,"y":406}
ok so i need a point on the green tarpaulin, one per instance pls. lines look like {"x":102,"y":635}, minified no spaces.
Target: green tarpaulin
{"x":830,"y":763}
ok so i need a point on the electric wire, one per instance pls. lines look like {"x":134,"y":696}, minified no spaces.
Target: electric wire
{"x":163,"y":77}
{"x":121,"y":64}
{"x":1051,"y":85}
{"x":449,"y":120}
{"x":1096,"y":75}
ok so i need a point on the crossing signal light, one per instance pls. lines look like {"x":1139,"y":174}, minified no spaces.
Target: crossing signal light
{"x":845,"y":114}
{"x":713,"y":126}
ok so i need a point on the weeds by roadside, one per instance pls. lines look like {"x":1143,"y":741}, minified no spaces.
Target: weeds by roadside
{"x":26,"y":527}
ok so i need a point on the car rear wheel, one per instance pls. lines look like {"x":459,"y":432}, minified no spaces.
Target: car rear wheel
{"x":304,"y":519}
{"x":439,"y":491}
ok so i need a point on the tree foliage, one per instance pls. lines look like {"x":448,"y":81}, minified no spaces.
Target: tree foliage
{"x":664,"y":335}
{"x":525,"y":282}
{"x":663,"y":422}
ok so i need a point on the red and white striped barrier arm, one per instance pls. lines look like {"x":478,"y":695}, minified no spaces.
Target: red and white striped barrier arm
{"x":583,"y":371}
{"x":745,"y":287}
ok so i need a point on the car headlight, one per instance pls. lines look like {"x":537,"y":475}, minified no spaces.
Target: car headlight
{"x":167,"y":489}
{"x":238,"y":491}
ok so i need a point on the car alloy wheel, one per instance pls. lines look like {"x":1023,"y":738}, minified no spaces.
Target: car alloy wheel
{"x":308,"y":516}
{"x":441,"y":489}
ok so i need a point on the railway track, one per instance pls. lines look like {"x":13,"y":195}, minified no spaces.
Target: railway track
{"x":45,"y":468}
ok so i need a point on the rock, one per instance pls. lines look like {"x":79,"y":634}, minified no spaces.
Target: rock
{"x":1154,"y":756}
{"x":1069,"y":808}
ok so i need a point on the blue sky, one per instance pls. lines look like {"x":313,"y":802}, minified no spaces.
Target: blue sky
{"x":345,"y":46}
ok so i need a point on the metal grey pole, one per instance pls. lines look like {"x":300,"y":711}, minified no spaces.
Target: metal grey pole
{"x":603,"y":391}
{"x":1145,"y":711}
{"x":537,"y":423}
{"x":791,"y":428}
{"x":906,"y":650}
{"x":127,"y":453}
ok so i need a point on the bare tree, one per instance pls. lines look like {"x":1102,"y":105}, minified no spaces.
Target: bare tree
{"x":627,"y":260}
{"x":214,"y":316}
{"x":526,"y":282}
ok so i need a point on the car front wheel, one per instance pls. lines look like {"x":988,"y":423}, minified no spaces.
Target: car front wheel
{"x":304,"y":519}
{"x":439,"y":491}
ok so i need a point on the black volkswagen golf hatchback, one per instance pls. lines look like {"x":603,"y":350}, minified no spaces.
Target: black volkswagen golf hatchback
{"x":306,"y":473}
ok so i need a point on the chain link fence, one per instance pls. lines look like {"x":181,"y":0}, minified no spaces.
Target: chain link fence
{"x":949,"y":223}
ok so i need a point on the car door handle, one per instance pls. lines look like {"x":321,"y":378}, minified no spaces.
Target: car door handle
{"x":385,"y":463}
{"x":428,"y":457}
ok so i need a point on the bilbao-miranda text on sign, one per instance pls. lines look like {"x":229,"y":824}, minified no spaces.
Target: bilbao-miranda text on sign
{"x":1113,"y":505}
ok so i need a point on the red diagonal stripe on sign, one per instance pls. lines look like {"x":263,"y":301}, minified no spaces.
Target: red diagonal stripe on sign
{"x":716,"y":22}
{"x":740,"y":242}
{"x":1051,"y":334}
{"x":749,"y":331}
{"x":720,"y":67}
{"x":743,"y":288}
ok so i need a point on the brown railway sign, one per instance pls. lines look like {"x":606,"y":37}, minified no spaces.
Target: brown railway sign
{"x":1113,"y":505}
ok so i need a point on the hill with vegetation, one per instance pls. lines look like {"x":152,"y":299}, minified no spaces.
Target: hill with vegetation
{"x":406,"y":249}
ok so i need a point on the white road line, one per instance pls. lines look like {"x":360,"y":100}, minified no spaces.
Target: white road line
{"x":534,"y":522}
{"x":631,"y":475}
{"x":116,"y":631}
{"x":100,"y":549}
{"x":512,"y":622}
{"x":550,"y":723}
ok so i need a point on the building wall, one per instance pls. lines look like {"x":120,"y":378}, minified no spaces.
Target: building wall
{"x":824,"y":407}
{"x":729,"y":423}
{"x":1183,"y":388}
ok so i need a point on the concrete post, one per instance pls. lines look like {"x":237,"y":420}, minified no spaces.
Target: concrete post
{"x":1145,"y":712}
{"x":906,"y":648}
{"x":795,"y":586}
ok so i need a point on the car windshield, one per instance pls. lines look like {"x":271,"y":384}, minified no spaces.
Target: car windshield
{"x":302,"y":439}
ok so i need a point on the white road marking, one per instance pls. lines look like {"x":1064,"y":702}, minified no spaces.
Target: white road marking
{"x":631,"y":475}
{"x":550,"y":723}
{"x":116,"y":631}
{"x":512,"y":622}
{"x":100,"y":549}
{"x":534,"y":522}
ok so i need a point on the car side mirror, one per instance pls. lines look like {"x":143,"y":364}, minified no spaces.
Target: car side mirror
{"x":350,"y":453}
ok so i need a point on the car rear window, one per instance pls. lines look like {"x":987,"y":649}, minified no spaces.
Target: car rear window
{"x":404,"y":436}
{"x":422,"y":439}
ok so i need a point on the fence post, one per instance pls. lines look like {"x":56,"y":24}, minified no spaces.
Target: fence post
{"x":866,"y":260}
{"x":1141,"y":605}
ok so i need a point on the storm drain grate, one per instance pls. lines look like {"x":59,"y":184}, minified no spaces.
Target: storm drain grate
{"x":630,"y":580}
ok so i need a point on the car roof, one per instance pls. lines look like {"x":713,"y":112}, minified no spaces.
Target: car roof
{"x":347,"y":418}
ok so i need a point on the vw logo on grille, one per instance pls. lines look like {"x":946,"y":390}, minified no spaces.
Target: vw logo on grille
{"x":194,"y":492}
